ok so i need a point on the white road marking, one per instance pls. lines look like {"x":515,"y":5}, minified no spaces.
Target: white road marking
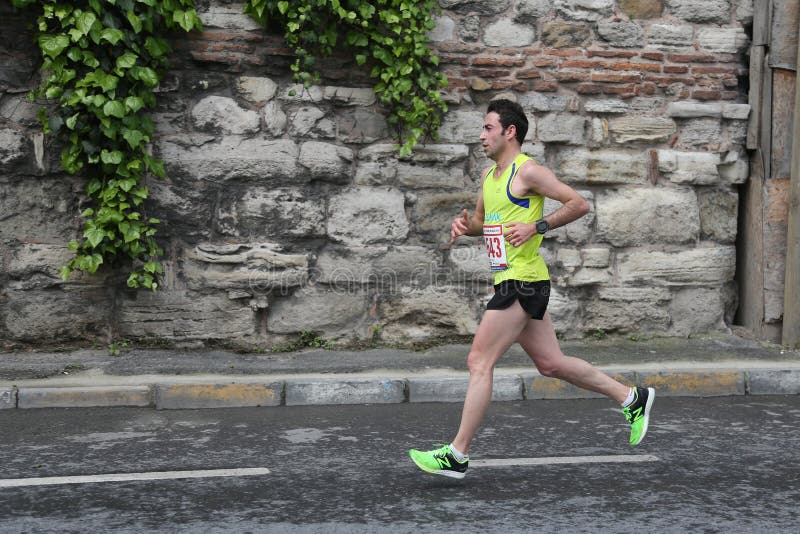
{"x":127,"y":477}
{"x":552,"y":460}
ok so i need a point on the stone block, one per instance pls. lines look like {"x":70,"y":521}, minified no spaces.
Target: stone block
{"x":367,"y":215}
{"x":563,"y":309}
{"x":383,"y":268}
{"x":421,"y":313}
{"x":588,"y":10}
{"x":627,"y":309}
{"x":596,"y":257}
{"x":228,"y":17}
{"x":14,"y":148}
{"x":214,"y":395}
{"x":223,"y":114}
{"x":605,"y":106}
{"x":311,"y":121}
{"x":332,"y":310}
{"x":587,"y":276}
{"x":433,"y":214}
{"x":632,"y":217}
{"x":461,"y":127}
{"x":8,"y":398}
{"x":719,"y":211}
{"x":669,"y":37}
{"x":722,"y":40}
{"x":361,"y":125}
{"x":534,"y":101}
{"x":258,"y":213}
{"x":256,"y":267}
{"x":325,"y":161}
{"x":232,"y":158}
{"x":419,"y":177}
{"x":40,"y":210}
{"x":695,"y":310}
{"x":529,"y":11}
{"x":641,"y":9}
{"x":693,"y":267}
{"x":701,"y":11}
{"x":256,"y":88}
{"x":336,"y":391}
{"x":736,"y":111}
{"x":694,"y":383}
{"x":640,"y":128}
{"x":83,"y":397}
{"x":469,"y":263}
{"x":445,"y":389}
{"x":689,"y":167}
{"x":773,"y":381}
{"x":444,"y":29}
{"x":565,"y":35}
{"x":684,"y":109}
{"x":562,"y":128}
{"x":602,"y":167}
{"x":37,"y":312}
{"x":275,"y":119}
{"x":185,"y":315}
{"x":621,"y":34}
{"x":700,"y":133}
{"x":476,"y":6}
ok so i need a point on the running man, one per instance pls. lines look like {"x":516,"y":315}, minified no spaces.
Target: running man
{"x":509,"y":214}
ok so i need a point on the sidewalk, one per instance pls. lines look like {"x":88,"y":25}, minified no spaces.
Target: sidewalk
{"x":182,"y":379}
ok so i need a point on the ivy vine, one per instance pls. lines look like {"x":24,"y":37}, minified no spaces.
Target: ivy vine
{"x":102,"y":60}
{"x":391,"y":34}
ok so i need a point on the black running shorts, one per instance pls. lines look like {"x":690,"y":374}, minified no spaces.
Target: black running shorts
{"x":532,"y":296}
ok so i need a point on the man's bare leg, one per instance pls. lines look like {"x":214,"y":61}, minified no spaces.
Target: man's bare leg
{"x":539,"y":341}
{"x":497,"y":331}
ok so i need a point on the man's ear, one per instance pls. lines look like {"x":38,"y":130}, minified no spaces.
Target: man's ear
{"x":513,"y":130}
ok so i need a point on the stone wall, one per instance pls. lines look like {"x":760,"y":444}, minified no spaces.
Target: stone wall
{"x":288,"y":210}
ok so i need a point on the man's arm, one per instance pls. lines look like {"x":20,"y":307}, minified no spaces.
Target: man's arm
{"x":539,"y":180}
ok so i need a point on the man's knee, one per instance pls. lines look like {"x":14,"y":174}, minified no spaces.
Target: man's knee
{"x":479,"y":363}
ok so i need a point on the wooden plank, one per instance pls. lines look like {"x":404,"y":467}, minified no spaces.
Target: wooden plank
{"x":762,"y":12}
{"x":783,"y":97}
{"x":765,"y":129}
{"x":791,"y":295}
{"x":783,"y":34}
{"x":750,"y":250}
{"x":757,"y":64}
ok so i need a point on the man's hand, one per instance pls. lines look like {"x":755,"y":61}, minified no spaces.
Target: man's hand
{"x":518,"y":233}
{"x":460,"y":226}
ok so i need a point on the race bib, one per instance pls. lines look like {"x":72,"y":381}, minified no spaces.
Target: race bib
{"x":495,"y":246}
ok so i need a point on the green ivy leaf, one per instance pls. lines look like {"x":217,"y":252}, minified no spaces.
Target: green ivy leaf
{"x":114,"y":108}
{"x":53,"y":45}
{"x":94,"y":236}
{"x":111,"y":156}
{"x":133,"y":137}
{"x":85,"y":22}
{"x":112,"y":35}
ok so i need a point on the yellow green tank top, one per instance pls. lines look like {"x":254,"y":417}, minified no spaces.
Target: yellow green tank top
{"x":501,"y":207}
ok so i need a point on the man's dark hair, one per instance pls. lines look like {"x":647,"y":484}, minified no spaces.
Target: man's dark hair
{"x":510,"y":113}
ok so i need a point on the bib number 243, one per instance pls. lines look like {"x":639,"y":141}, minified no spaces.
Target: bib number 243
{"x":495,"y":246}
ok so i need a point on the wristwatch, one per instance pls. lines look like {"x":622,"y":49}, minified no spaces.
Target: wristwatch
{"x":542,"y":226}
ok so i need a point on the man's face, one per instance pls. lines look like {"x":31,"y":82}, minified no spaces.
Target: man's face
{"x":493,"y":138}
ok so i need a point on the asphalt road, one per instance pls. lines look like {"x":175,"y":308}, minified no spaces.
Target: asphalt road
{"x":727,"y":464}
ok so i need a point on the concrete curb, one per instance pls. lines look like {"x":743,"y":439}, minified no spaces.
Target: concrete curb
{"x":171,"y":393}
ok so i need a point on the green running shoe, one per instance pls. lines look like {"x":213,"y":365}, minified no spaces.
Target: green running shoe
{"x":638,"y":413}
{"x":440,"y":462}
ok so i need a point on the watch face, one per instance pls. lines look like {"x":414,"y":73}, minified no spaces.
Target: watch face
{"x":542,"y":226}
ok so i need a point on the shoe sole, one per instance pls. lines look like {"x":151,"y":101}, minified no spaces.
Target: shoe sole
{"x":651,"y":396}
{"x":449,"y":474}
